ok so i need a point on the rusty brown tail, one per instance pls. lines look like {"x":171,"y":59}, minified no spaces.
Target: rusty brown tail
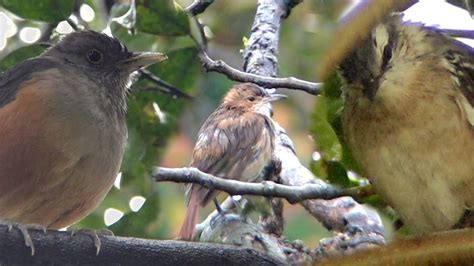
{"x":190,"y":220}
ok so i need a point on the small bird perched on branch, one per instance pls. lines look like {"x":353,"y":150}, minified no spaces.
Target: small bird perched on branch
{"x":235,"y":142}
{"x":63,"y":131}
{"x":409,"y":121}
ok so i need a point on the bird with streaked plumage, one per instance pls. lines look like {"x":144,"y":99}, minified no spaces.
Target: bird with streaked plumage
{"x":409,"y":120}
{"x":235,"y":142}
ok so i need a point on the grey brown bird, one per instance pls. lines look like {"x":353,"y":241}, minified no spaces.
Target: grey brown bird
{"x":235,"y":142}
{"x":63,"y":131}
{"x":409,"y":121}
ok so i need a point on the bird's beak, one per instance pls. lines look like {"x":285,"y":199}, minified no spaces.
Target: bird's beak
{"x":139,"y":60}
{"x":275,"y":97}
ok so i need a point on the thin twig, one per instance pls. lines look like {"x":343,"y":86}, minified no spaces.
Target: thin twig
{"x":234,"y":74}
{"x":202,"y":34}
{"x":163,"y":85}
{"x":73,"y":24}
{"x":198,"y":7}
{"x":46,"y":36}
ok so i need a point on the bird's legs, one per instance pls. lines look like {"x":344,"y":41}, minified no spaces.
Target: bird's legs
{"x":94,"y":235}
{"x":24,"y":231}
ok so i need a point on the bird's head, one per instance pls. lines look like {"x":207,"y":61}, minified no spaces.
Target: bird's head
{"x":250,"y":97}
{"x":104,"y":60}
{"x":392,"y":48}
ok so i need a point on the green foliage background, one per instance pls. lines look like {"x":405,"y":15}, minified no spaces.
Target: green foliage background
{"x":162,"y":25}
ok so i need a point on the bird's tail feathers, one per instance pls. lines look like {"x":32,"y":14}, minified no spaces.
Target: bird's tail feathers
{"x":190,"y":220}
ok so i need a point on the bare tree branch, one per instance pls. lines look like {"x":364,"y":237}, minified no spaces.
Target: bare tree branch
{"x":268,"y":82}
{"x":293,"y":194}
{"x":59,"y":248}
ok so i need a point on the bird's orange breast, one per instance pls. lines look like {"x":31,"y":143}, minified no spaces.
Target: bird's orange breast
{"x":44,"y":177}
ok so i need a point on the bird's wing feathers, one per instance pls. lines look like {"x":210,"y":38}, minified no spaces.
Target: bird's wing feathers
{"x":461,"y":60}
{"x":12,"y":78}
{"x":463,"y":68}
{"x":228,"y":142}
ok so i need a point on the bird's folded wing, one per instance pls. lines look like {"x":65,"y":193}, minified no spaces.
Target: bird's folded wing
{"x":461,"y":60}
{"x":11,"y":79}
{"x":230,"y":141}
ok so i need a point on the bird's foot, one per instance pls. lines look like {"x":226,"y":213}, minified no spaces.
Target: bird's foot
{"x":218,"y":206}
{"x":94,"y":235}
{"x":236,"y":201}
{"x":24,"y":231}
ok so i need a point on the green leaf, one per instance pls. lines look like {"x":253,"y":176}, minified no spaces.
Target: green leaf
{"x":20,"y":55}
{"x":327,"y":142}
{"x":162,"y":17}
{"x":348,"y":160}
{"x":332,"y":86}
{"x":327,"y":131}
{"x":337,"y":174}
{"x":43,"y":10}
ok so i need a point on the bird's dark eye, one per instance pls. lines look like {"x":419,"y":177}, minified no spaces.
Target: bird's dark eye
{"x":94,"y":56}
{"x":251,"y":98}
{"x":387,"y":55}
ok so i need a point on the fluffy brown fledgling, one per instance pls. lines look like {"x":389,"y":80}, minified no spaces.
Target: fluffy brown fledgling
{"x":235,"y":142}
{"x":408,"y":119}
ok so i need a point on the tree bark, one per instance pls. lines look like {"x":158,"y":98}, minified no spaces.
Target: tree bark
{"x":60,"y":248}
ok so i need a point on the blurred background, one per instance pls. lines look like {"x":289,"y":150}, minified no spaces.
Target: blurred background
{"x":163,"y":128}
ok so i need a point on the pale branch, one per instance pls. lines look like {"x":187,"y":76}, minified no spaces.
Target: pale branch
{"x":261,"y":58}
{"x":236,"y":229}
{"x":60,"y":248}
{"x":227,"y":205}
{"x":198,"y":6}
{"x":268,"y":82}
{"x":293,"y":194}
